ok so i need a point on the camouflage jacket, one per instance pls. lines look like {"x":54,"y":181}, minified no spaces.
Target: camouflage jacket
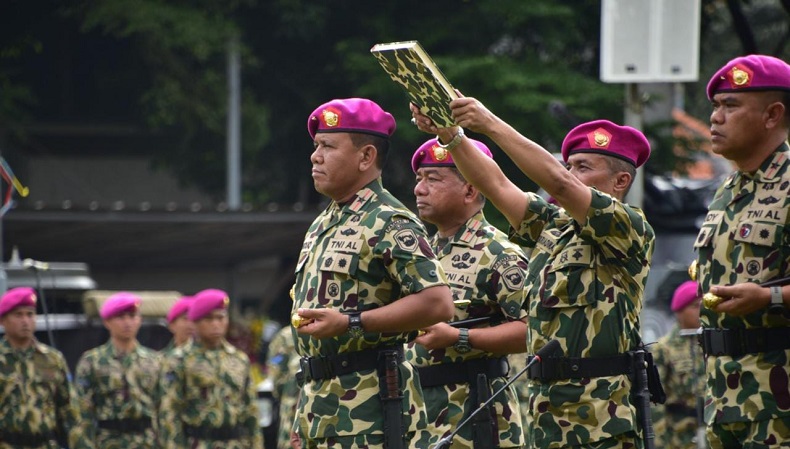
{"x":485,"y":268}
{"x":113,"y":386}
{"x":208,"y":389}
{"x":585,"y":282}
{"x":282,"y":365}
{"x":36,"y":395}
{"x":746,"y":238}
{"x":682,"y":371}
{"x":358,"y":256}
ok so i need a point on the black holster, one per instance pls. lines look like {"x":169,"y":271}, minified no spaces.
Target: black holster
{"x":485,"y":433}
{"x":640,"y":396}
{"x":391,"y":400}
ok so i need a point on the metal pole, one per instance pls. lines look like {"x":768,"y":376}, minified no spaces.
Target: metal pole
{"x":234,"y":125}
{"x":633,"y":118}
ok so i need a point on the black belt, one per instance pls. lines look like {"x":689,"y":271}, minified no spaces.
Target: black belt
{"x":462,"y":372}
{"x":26,"y":439}
{"x":738,"y":342}
{"x":126,"y":425}
{"x":224,"y":433}
{"x":681,"y":410}
{"x":558,"y":368}
{"x":329,"y":366}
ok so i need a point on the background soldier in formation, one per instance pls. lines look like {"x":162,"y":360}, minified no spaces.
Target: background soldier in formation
{"x":682,"y":370}
{"x":744,"y":242}
{"x":365,"y":279}
{"x":208,"y":400}
{"x":116,"y":383}
{"x":587,"y":272}
{"x":179,"y":324}
{"x":38,"y":408}
{"x":282,"y":365}
{"x":486,"y":274}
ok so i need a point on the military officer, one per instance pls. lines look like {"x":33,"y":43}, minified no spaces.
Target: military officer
{"x":282,"y":364}
{"x":38,"y":407}
{"x":682,"y":370}
{"x":744,"y":242}
{"x":179,"y":324}
{"x":366,"y":277}
{"x":486,"y":274}
{"x":588,"y":267}
{"x":116,"y":382}
{"x":208,"y":400}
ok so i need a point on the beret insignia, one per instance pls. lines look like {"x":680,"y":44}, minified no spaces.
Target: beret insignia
{"x":331,"y":118}
{"x":600,"y":138}
{"x":740,"y":76}
{"x":439,"y":153}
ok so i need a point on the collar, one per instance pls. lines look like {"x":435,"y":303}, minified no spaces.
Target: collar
{"x":767,"y":173}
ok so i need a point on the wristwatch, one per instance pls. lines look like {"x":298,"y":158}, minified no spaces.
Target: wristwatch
{"x":355,"y":325}
{"x":453,"y":143}
{"x":777,"y":305}
{"x":462,"y":345}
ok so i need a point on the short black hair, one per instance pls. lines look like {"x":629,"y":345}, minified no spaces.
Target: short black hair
{"x":617,"y":165}
{"x":382,"y":145}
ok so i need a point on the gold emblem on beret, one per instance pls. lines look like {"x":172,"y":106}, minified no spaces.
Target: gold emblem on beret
{"x":225,"y":302}
{"x":33,"y":298}
{"x":739,"y":77}
{"x":693,"y":269}
{"x":330,"y":118}
{"x":439,"y":153}
{"x":600,"y":139}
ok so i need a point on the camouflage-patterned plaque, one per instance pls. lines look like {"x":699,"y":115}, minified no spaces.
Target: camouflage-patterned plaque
{"x":409,"y":65}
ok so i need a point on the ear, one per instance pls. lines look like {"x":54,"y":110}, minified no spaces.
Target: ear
{"x":774,"y":115}
{"x":470,"y":193}
{"x":367,"y":159}
{"x":622,"y":181}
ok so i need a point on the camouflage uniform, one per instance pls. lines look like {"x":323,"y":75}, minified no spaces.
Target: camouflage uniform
{"x":209,"y":390}
{"x":113,"y":386}
{"x":746,"y":238}
{"x":36,"y":395}
{"x":282,"y":366}
{"x":361,"y":255}
{"x":521,"y":386}
{"x":682,"y":372}
{"x":485,"y":268}
{"x":586,"y":282}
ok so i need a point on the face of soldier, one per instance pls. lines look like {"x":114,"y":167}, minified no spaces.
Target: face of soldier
{"x":440,"y":195}
{"x":592,"y":170}
{"x":737,"y":123}
{"x":688,"y":317}
{"x":336,"y":165}
{"x":182,"y":329}
{"x":124,"y":327}
{"x":211,"y":329}
{"x":20,"y":325}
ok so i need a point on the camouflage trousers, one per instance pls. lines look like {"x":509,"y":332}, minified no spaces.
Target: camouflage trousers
{"x":369,"y":441}
{"x":230,"y":444}
{"x":628,"y":440}
{"x":106,"y":439}
{"x":677,"y":433}
{"x":770,"y":433}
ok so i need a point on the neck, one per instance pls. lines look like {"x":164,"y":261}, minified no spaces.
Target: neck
{"x":124,"y":345}
{"x":19,"y":343}
{"x":448,"y":228}
{"x":211,"y":343}
{"x":755,"y":159}
{"x":363,"y":181}
{"x":180,"y":341}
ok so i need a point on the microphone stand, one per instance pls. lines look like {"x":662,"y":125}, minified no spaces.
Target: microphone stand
{"x":550,"y":348}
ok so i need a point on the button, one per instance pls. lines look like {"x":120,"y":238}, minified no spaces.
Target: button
{"x":344,"y":363}
{"x":597,"y":212}
{"x":432,"y":273}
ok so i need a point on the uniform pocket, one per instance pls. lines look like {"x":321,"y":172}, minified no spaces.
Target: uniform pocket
{"x":571,"y":277}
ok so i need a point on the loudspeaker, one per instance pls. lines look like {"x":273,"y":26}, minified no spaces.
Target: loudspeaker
{"x":650,"y":40}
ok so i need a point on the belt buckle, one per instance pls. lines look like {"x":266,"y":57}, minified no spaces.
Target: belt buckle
{"x":717,"y":342}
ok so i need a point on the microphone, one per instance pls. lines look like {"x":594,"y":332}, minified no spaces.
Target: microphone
{"x":36,"y":265}
{"x":546,"y":351}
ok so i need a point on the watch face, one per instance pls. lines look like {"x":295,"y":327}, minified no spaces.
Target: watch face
{"x":355,"y":326}
{"x":462,"y":348}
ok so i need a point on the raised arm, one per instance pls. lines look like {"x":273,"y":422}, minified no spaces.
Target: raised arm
{"x":537,"y":163}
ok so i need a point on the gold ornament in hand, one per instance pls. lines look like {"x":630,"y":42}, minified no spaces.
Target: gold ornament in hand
{"x":710,"y":300}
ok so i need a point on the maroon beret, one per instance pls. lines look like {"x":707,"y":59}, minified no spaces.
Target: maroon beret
{"x":750,"y":73}
{"x":684,"y":295}
{"x":120,"y":303}
{"x":17,"y":297}
{"x":351,"y":115}
{"x":179,"y":308}
{"x":207,"y":301}
{"x":430,"y":154}
{"x":605,"y":137}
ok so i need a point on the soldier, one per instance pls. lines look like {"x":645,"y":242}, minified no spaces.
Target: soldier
{"x":682,"y":371}
{"x":208,"y":399}
{"x":116,"y":382}
{"x":365,"y":278}
{"x":744,"y":242}
{"x":179,"y":324}
{"x":38,"y":407}
{"x":486,"y":274}
{"x":587,"y":273}
{"x":282,"y":365}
